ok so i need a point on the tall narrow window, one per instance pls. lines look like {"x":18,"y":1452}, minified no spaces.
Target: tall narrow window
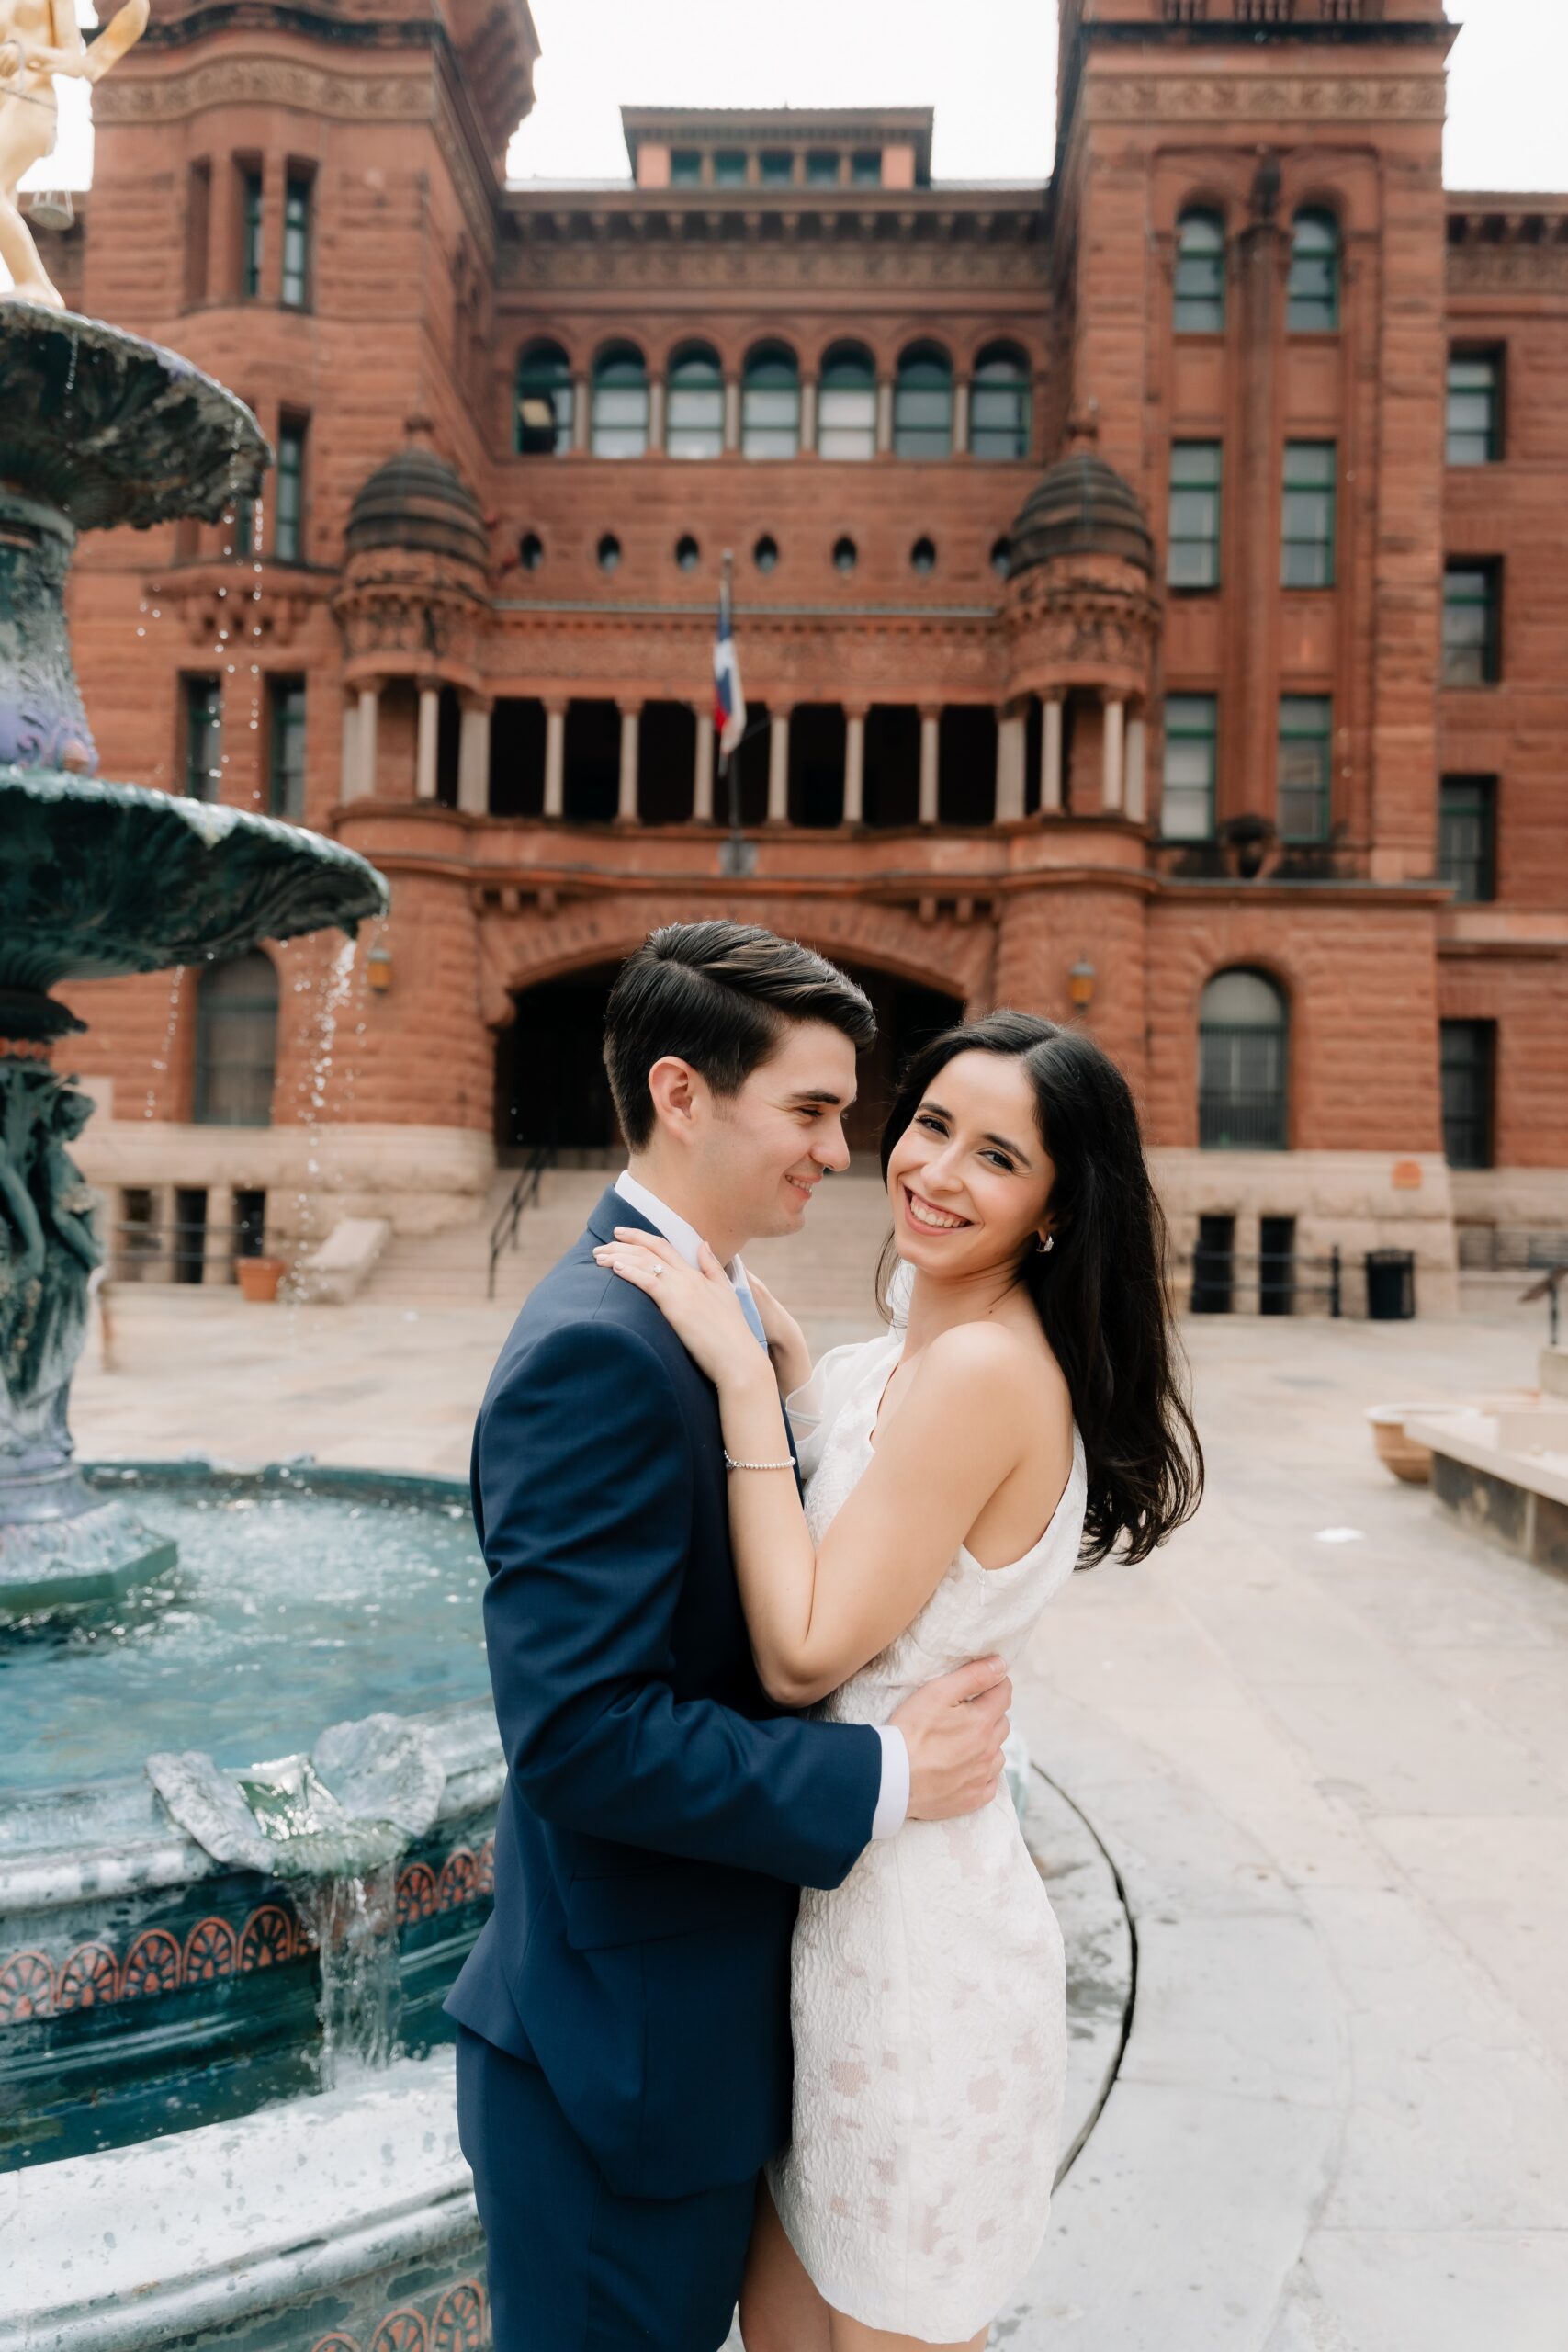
{"x":204,"y":738}
{"x":546,"y":402}
{"x":1243,"y":1039}
{"x":296,"y":241}
{"x":1187,"y":792}
{"x":1467,"y":835}
{"x":236,"y":1043}
{"x":846,"y":403}
{"x":922,"y":404}
{"x":1475,"y":408}
{"x":620,"y":403}
{"x":250,"y":232}
{"x":998,"y":404}
{"x":1307,"y":751}
{"x":1192,"y":554}
{"x":1472,"y":631}
{"x":199,"y":230}
{"x":1199,"y":274}
{"x":288,"y":530}
{"x":770,"y":403}
{"x":1306,"y":530}
{"x":1312,"y":294}
{"x":1468,"y":1061}
{"x":694,"y":424}
{"x":286,"y":748}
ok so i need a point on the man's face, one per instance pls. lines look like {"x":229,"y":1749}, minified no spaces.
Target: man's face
{"x":764,"y":1150}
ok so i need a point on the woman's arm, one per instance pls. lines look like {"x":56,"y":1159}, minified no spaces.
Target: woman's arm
{"x":786,"y":1341}
{"x":815,"y":1618}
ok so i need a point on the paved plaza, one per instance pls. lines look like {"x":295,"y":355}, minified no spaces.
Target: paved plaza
{"x":1322,"y":1740}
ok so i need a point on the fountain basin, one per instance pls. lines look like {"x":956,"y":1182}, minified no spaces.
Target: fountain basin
{"x":144,"y":1987}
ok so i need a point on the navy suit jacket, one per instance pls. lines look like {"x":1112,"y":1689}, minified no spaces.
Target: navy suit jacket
{"x":660,"y":1815}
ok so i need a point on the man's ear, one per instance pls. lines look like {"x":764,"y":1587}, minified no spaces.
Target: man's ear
{"x":677,"y":1090}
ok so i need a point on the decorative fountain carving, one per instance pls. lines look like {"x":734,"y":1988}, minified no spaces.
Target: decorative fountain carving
{"x":99,"y":428}
{"x":39,"y":38}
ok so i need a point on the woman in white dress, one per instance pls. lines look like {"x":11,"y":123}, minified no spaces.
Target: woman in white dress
{"x":1026,"y":1419}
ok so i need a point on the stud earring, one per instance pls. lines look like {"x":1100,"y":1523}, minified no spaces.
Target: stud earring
{"x":1044,"y":1242}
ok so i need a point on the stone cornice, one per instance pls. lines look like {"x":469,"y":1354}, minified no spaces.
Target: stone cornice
{"x":266,"y":79}
{"x":1507,"y":244}
{"x":1322,"y":97}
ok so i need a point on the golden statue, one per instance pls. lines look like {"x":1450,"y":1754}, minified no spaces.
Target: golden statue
{"x":39,"y":38}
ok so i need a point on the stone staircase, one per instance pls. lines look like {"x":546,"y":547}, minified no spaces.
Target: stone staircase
{"x":824,"y":1275}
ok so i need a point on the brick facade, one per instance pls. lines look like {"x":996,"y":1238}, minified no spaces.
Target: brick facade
{"x":960,"y":783}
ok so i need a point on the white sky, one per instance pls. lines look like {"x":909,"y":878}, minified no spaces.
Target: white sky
{"x":988,"y":66}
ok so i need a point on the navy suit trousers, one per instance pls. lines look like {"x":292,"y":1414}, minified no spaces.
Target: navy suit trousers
{"x":573,"y":2267}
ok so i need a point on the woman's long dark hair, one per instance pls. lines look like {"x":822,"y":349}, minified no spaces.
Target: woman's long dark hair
{"x":1099,"y":1292}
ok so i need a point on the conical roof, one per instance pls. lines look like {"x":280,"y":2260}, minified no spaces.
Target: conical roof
{"x":418,"y":500}
{"x":1080,"y":506}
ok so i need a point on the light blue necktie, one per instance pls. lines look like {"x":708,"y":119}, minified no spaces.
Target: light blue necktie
{"x":748,"y":1308}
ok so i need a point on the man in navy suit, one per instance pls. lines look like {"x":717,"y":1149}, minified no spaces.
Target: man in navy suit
{"x":623,"y":2058}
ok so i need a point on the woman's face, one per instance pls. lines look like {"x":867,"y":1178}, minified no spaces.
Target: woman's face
{"x":969,"y":1178}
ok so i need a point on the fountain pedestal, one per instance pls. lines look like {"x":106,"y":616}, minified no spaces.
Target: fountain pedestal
{"x":97,"y":879}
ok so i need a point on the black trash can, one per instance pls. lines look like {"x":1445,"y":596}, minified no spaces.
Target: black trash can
{"x":1391,"y":1285}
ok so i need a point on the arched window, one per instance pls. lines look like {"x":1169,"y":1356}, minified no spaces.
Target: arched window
{"x":846,"y":403}
{"x":1311,"y":296}
{"x":922,"y":404}
{"x":236,"y":1043}
{"x":696,"y":424}
{"x":1199,"y":274}
{"x":620,"y":402}
{"x":998,"y":403}
{"x":770,"y":403}
{"x":545,"y":401}
{"x":1242,"y":1063}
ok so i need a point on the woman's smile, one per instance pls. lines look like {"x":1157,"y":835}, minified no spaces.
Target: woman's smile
{"x":928,"y":1216}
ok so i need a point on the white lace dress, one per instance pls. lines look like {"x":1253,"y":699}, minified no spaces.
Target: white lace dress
{"x":929,"y":1990}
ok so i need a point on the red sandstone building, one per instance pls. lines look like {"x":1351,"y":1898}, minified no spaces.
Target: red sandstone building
{"x":1148,"y":590}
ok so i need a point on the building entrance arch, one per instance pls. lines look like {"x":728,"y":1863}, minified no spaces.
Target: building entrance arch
{"x":551,"y":1088}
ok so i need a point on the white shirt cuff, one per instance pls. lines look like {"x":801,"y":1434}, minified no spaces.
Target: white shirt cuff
{"x":893,"y":1804}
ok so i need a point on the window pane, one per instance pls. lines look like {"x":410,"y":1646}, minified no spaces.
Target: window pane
{"x":1474,"y":411}
{"x":286,"y":748}
{"x":1192,"y":553}
{"x":1471,"y":649}
{"x":729,"y":168}
{"x":1242,"y":1045}
{"x":922,"y":407}
{"x":204,"y":738}
{"x":1306,"y":554}
{"x":1311,"y":303}
{"x":1467,"y":835}
{"x":290,"y":526}
{"x":1187,"y":801}
{"x":778,"y":167}
{"x":545,"y":405}
{"x":1305,"y":749}
{"x":822,"y":167}
{"x":866,"y":167}
{"x":1199,"y":274}
{"x":685,"y":167}
{"x":620,"y":406}
{"x":236,"y":1043}
{"x":1468,"y":1054}
{"x":251,"y":234}
{"x":296,"y":242}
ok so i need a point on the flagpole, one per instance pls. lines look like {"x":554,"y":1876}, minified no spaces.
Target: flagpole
{"x":733,"y":858}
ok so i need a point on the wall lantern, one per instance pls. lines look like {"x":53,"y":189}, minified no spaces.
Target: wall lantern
{"x":1080,"y":985}
{"x":378,"y":968}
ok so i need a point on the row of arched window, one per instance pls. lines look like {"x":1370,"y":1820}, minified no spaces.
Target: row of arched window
{"x":776,"y":413}
{"x":1312,"y":289}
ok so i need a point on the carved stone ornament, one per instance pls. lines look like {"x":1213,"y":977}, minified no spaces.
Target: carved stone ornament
{"x":1274,"y":97}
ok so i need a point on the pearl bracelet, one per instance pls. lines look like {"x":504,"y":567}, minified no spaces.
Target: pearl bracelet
{"x":731,"y":1464}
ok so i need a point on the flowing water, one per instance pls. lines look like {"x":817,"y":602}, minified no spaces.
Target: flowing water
{"x":291,"y":1606}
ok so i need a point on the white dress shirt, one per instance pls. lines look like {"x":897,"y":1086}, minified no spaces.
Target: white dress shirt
{"x":893,"y":1802}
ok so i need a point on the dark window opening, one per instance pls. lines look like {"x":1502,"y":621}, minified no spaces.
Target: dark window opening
{"x":966,"y":764}
{"x":1276,"y":1265}
{"x":892,"y":778}
{"x":748,"y":770}
{"x":1467,"y":835}
{"x":667,"y":759}
{"x":236,"y":1043}
{"x":530,"y":551}
{"x":517,"y":757}
{"x":249,"y":1224}
{"x":547,"y":401}
{"x":1472,"y":634}
{"x":1213,"y":1266}
{"x":286,"y":748}
{"x":1242,"y":1052}
{"x":816,"y":744}
{"x":204,"y":738}
{"x":1469,"y":1052}
{"x":188,"y":1254}
{"x":592,"y":778}
{"x":296,"y":241}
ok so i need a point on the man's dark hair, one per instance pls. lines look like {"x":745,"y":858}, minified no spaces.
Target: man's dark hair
{"x":716,"y":995}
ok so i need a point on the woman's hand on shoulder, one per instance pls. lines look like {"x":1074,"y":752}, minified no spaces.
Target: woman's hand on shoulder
{"x":698,"y":1302}
{"x":790,"y":1356}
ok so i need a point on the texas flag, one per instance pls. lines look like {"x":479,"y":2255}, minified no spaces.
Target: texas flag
{"x":728,"y":699}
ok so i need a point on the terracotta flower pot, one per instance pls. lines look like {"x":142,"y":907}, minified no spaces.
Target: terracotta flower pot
{"x":1408,"y":1461}
{"x":259,"y":1277}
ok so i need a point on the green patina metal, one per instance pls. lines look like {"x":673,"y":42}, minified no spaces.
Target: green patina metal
{"x":99,"y":428}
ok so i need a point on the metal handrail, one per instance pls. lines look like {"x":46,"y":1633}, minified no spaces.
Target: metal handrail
{"x":1547,"y":1288}
{"x":503,"y":1232}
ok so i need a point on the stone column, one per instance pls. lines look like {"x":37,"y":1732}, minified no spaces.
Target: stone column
{"x":369,"y":711}
{"x":348,"y":772}
{"x":580,"y":399}
{"x":655,"y":417}
{"x":626,"y":812}
{"x":424,"y":749}
{"x":1010,"y":755}
{"x":1137,"y":784}
{"x":778,"y":767}
{"x":1113,"y":770}
{"x":961,"y":417}
{"x":808,"y":414}
{"x":930,"y":748}
{"x":554,"y":758}
{"x":854,"y":767}
{"x":473,"y":756}
{"x":702,"y":782}
{"x":218,"y":1254}
{"x":883,"y":416}
{"x":731,"y":413}
{"x":1051,"y":757}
